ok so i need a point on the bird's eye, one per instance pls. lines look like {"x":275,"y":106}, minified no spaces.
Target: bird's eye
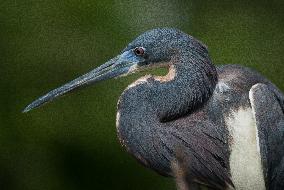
{"x":139,"y":51}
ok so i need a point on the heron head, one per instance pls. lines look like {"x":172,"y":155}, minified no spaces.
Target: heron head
{"x":154,"y":48}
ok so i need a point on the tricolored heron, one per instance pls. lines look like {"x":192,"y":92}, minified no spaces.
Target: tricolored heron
{"x":224,"y":124}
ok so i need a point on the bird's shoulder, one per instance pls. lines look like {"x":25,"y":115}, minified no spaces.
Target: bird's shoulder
{"x":238,"y":78}
{"x":233,"y":86}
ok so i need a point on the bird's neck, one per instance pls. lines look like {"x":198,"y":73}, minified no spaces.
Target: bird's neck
{"x":150,"y":101}
{"x":188,"y":86}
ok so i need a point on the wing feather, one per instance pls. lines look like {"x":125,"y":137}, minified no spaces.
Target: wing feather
{"x":266,"y":106}
{"x":202,"y":151}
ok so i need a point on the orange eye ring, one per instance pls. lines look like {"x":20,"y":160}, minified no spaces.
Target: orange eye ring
{"x":139,"y":51}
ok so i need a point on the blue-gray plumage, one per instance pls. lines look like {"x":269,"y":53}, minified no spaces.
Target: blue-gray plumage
{"x":222,"y":125}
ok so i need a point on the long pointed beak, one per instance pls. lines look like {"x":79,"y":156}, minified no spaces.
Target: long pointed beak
{"x":120,"y":65}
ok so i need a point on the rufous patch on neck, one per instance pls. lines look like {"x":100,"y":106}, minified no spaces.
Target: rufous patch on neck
{"x":170,"y":76}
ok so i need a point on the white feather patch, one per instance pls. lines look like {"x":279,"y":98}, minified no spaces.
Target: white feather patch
{"x":245,"y":158}
{"x":117,"y":118}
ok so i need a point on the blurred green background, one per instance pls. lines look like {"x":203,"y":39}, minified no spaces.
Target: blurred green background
{"x":71,"y":143}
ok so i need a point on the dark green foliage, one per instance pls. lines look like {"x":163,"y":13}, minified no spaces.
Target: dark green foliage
{"x":71,"y":143}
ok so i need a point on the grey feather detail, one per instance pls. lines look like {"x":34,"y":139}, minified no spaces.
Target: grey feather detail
{"x":270,"y":123}
{"x":206,"y":156}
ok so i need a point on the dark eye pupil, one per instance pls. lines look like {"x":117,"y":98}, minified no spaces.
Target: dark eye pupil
{"x":139,"y":51}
